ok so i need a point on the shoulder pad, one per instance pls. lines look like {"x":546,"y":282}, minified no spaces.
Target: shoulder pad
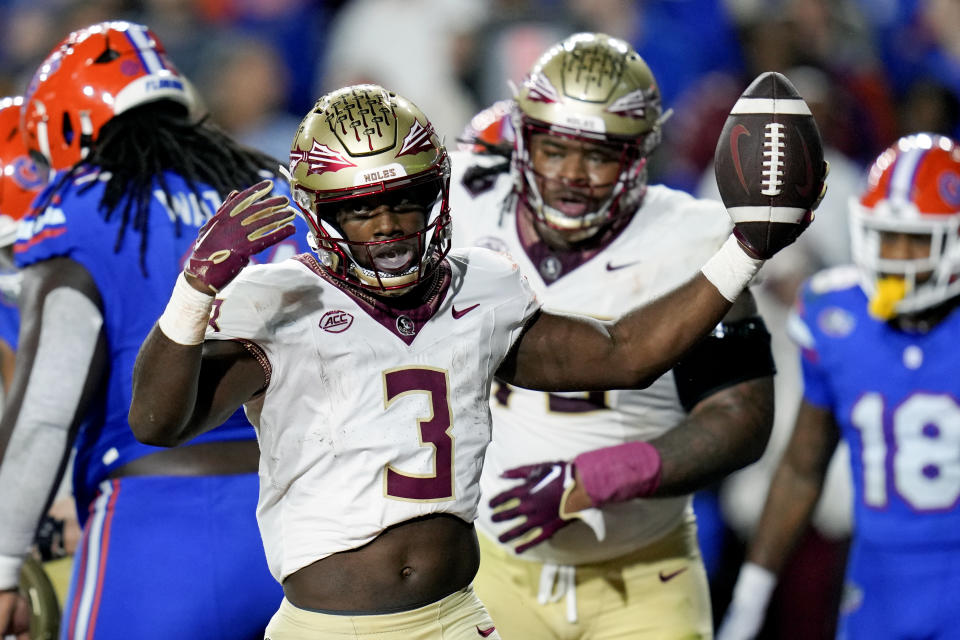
{"x":834,"y":279}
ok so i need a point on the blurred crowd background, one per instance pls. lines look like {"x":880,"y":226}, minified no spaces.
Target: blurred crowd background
{"x":871,"y":70}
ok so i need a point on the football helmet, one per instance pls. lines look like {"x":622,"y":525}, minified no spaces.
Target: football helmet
{"x":594,"y":88}
{"x":94,"y":74}
{"x":913,"y":188}
{"x":20,"y":181}
{"x":363,"y":146}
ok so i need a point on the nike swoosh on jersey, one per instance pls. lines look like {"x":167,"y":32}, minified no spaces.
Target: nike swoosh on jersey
{"x":485,"y":633}
{"x":459,"y":314}
{"x":614,"y":267}
{"x":667,"y":577}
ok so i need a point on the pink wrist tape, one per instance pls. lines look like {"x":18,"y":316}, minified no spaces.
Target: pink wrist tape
{"x":620,"y":472}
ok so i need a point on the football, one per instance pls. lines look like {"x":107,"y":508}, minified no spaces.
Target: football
{"x":769,"y":164}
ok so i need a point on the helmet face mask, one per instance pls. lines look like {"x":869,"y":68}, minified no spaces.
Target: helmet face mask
{"x":362,"y":152}
{"x":594,"y":89}
{"x":94,"y":74}
{"x":913,"y":191}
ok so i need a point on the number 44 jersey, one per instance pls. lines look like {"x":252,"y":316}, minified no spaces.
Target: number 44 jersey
{"x":371,"y":415}
{"x":896,"y":399}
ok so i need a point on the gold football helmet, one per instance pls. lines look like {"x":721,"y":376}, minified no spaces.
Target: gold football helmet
{"x":594,"y":88}
{"x":365,"y":142}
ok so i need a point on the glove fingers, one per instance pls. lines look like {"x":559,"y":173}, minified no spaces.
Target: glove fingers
{"x":510,"y":494}
{"x":250,"y":195}
{"x":522,"y":472}
{"x":518,"y":531}
{"x":262,"y":211}
{"x":534,"y":537}
{"x":271,"y":234}
{"x":506,"y":514}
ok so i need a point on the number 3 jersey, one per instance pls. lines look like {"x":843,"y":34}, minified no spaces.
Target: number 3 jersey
{"x":664,"y":245}
{"x":372,"y":416}
{"x":896,"y":398}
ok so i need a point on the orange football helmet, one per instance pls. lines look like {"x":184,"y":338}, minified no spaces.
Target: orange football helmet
{"x":913,"y":188}
{"x":20,"y":181}
{"x":94,"y":74}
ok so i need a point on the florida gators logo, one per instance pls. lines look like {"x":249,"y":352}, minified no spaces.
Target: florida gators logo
{"x":336,"y":321}
{"x":26,"y":175}
{"x":948,"y":184}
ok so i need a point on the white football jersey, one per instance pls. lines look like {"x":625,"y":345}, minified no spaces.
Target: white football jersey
{"x":371,"y":417}
{"x":664,"y":245}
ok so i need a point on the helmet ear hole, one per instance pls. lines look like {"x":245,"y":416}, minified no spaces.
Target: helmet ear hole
{"x":109,"y":55}
{"x":67,"y":129}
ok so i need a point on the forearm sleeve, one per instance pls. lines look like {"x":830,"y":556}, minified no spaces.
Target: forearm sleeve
{"x":69,"y":330}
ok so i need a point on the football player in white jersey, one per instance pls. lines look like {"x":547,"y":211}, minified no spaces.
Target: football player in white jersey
{"x":573,"y":208}
{"x":367,"y":369}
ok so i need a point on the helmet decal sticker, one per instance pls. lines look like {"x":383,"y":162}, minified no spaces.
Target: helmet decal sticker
{"x":541,"y":90}
{"x":417,"y":141}
{"x":948,"y":184}
{"x":634,"y":104}
{"x":320,"y":159}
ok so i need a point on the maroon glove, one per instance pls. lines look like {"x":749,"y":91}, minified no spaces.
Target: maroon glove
{"x":539,"y":499}
{"x":245,"y":224}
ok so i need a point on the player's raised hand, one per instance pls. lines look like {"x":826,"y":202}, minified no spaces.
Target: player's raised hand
{"x":14,"y":615}
{"x":769,"y":165}
{"x":538,"y":500}
{"x":246,"y":223}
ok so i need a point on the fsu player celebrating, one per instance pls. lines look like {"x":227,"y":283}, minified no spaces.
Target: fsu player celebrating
{"x":367,"y":369}
{"x":577,"y":214}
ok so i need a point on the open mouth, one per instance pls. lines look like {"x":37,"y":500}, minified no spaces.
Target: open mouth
{"x":393,"y":258}
{"x":572,"y":204}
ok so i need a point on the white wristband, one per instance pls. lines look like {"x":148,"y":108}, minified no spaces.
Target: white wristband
{"x":730,"y":269}
{"x":754,"y":584}
{"x":10,"y":571}
{"x":185,"y":319}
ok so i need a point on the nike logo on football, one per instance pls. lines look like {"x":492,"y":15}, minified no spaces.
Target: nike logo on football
{"x":485,"y":633}
{"x":614,"y":267}
{"x":459,"y":314}
{"x":738,"y":131}
{"x":667,"y":577}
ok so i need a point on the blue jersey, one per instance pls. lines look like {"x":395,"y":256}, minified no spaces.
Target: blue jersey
{"x":134,"y":294}
{"x":9,"y":313}
{"x":896,"y":399}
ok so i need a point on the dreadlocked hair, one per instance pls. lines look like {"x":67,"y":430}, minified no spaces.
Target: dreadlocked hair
{"x":138,"y":146}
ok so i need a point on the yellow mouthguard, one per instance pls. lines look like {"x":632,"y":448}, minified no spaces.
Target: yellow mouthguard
{"x":890,"y":291}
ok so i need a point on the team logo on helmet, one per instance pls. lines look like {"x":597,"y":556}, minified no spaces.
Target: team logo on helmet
{"x":540,"y":89}
{"x":320,"y":159}
{"x":417,"y":141}
{"x":636,"y":103}
{"x":949,"y":188}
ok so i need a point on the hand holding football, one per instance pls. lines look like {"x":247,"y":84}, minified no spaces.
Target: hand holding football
{"x":769,"y":165}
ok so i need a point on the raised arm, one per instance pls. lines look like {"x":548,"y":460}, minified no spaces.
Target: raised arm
{"x":576,"y":353}
{"x":793,"y":495}
{"x":181,"y":385}
{"x":61,"y":362}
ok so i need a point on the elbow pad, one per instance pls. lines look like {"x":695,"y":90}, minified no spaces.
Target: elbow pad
{"x":732,"y":353}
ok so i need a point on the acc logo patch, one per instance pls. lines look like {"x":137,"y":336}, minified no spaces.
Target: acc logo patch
{"x":336,"y":321}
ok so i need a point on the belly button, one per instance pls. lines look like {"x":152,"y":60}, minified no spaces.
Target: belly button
{"x":406,"y":572}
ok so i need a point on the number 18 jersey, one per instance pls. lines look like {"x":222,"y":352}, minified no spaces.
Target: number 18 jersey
{"x":896,"y":399}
